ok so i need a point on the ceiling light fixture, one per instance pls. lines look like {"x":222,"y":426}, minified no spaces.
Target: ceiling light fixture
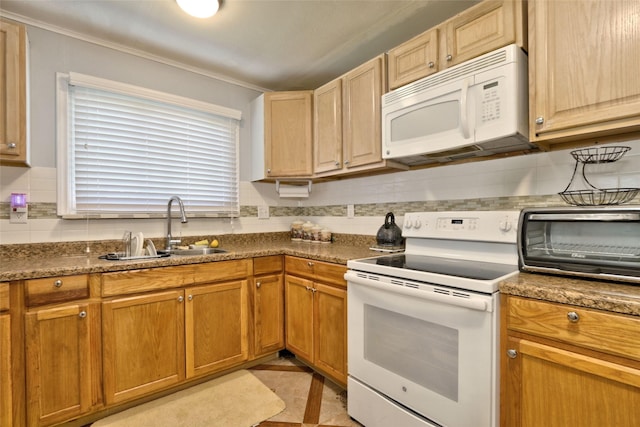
{"x":199,"y":8}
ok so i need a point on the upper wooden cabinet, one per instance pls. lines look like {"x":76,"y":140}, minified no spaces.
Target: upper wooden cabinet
{"x":584,"y":59}
{"x":14,"y":144}
{"x":478,"y":30}
{"x":347,"y":122}
{"x":282,"y":132}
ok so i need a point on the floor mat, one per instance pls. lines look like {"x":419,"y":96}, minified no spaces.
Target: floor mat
{"x":238,"y":399}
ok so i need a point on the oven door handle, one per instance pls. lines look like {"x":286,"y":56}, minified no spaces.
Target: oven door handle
{"x":474,"y":303}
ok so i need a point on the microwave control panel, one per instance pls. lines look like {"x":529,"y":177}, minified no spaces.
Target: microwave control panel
{"x":490,"y":104}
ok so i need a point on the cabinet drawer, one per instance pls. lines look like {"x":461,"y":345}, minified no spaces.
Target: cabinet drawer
{"x":330,"y":273}
{"x":222,"y":270}
{"x":56,"y":289}
{"x":4,"y":296}
{"x":267,"y":264}
{"x":300,"y":267}
{"x":607,"y":332}
{"x":324,"y":272}
{"x":128,"y":282}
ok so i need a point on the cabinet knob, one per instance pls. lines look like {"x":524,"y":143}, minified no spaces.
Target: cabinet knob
{"x":573,"y":316}
{"x":258,"y":284}
{"x":11,"y":145}
{"x":190,"y":297}
{"x":180,"y":298}
{"x":268,"y":171}
{"x":57,"y":283}
{"x":449,"y":58}
{"x":82,"y":314}
{"x":337,"y":164}
{"x":310,"y":264}
{"x":539,"y":120}
{"x":308,"y":288}
{"x":346,"y":162}
{"x":431,"y":64}
{"x":512,"y":354}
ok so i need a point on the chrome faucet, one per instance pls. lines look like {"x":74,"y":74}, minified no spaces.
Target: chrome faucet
{"x":183,"y":219}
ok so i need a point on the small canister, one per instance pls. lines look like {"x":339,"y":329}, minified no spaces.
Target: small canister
{"x":296,"y":230}
{"x":315,"y":234}
{"x":306,"y":231}
{"x":325,"y":235}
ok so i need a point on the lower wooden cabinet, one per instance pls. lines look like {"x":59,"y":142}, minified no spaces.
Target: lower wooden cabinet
{"x":268,"y":309}
{"x":330,"y":331}
{"x":568,"y":366}
{"x":62,"y":362}
{"x":216,"y":327}
{"x":299,"y":317}
{"x":316,"y":315}
{"x":6,"y":406}
{"x":143,"y":344}
{"x":155,"y":341}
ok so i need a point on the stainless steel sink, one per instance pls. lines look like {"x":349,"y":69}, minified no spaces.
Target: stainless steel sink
{"x":198,"y":251}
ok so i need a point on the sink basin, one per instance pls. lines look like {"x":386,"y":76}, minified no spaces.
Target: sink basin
{"x":199,"y":251}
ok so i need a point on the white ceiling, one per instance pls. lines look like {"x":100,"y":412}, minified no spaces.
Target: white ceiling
{"x":270,"y":44}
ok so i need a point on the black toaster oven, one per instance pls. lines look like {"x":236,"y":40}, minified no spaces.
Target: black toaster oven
{"x":595,"y":242}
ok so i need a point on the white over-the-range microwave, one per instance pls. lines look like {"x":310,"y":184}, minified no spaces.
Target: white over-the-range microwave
{"x":473,"y":109}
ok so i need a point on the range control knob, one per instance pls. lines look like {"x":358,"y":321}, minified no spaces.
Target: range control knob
{"x":408,"y":223}
{"x":505,"y":225}
{"x":417,"y":224}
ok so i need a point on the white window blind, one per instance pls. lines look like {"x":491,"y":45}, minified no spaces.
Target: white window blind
{"x":129,"y":151}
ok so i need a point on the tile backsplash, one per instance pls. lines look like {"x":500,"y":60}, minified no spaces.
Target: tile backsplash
{"x":500,"y":184}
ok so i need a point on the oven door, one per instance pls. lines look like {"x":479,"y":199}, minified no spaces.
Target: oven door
{"x":433,"y":349}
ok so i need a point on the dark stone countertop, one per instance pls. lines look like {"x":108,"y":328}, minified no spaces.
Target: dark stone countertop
{"x":618,"y":297}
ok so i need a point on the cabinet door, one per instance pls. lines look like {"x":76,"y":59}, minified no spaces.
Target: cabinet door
{"x":59,"y":369}
{"x":362,"y":92}
{"x":414,"y":59}
{"x":552,"y":387}
{"x":143,"y":343}
{"x":330,"y":331}
{"x":268,"y":308}
{"x":5,"y":371}
{"x":216,"y":327}
{"x":299,"y":316}
{"x":327,"y":143}
{"x":13,"y":94}
{"x":288,"y":133}
{"x":583,"y":65}
{"x":480,"y":29}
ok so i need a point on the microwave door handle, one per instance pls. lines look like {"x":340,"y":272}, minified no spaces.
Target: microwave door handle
{"x":464,"y":119}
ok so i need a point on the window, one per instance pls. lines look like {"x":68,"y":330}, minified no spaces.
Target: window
{"x":125,"y":150}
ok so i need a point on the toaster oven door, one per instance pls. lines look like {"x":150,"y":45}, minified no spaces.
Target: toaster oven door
{"x":592,"y":243}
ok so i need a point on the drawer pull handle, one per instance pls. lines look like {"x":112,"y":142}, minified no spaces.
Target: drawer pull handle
{"x":512,"y":353}
{"x":573,"y":316}
{"x":82,"y":314}
{"x":57,"y":283}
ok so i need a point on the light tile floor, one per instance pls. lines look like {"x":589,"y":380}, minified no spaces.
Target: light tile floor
{"x":311,"y":400}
